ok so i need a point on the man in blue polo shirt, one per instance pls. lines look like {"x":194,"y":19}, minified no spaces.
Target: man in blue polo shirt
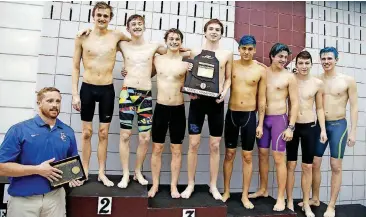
{"x":25,"y":156}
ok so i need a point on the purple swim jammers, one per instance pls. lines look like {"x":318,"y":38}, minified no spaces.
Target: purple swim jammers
{"x":273,"y":127}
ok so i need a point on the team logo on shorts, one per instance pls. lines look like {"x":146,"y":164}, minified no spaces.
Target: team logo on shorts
{"x":194,"y":128}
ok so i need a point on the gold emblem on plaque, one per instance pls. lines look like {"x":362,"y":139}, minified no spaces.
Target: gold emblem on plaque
{"x":75,"y":169}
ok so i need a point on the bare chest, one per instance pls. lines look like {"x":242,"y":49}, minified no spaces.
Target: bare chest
{"x":222,"y":58}
{"x":307,"y":91}
{"x":245,"y":77}
{"x":335,"y":88}
{"x":171,"y":70}
{"x":100,"y":47}
{"x":276,"y":84}
{"x":138,"y":54}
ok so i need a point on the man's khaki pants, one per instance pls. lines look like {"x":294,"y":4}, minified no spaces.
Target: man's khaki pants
{"x":52,"y":204}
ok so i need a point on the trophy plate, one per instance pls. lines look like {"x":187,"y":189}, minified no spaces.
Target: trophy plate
{"x":72,"y":170}
{"x":204,"y":77}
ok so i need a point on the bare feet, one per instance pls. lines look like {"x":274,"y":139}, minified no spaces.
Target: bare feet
{"x":312,"y":202}
{"x":306,"y":208}
{"x":153,"y":190}
{"x":246,"y":203}
{"x":280,"y":205}
{"x":140,"y":178}
{"x":260,"y":193}
{"x":174,"y":192}
{"x":187,"y":193}
{"x":105,"y":180}
{"x":215,"y":193}
{"x":290,"y":204}
{"x":86,"y":171}
{"x":330,"y":212}
{"x":225,"y":196}
{"x":124,"y":181}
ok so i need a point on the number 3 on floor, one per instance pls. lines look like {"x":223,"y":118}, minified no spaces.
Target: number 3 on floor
{"x":189,"y":212}
{"x":104,"y":205}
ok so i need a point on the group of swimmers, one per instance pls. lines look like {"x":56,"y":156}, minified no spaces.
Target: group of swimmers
{"x":267,"y":104}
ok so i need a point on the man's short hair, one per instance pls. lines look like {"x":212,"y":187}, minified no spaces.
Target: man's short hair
{"x":103,"y":5}
{"x":305,"y":55}
{"x":135,"y":17}
{"x":40,"y":94}
{"x":329,"y":50}
{"x":173,"y":30}
{"x":277,"y":48}
{"x":214,"y":21}
{"x":247,"y":40}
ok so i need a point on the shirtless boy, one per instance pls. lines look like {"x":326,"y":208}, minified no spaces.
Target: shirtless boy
{"x":281,"y":85}
{"x":135,"y":96}
{"x":310,"y":92}
{"x":247,"y":82}
{"x":98,"y":51}
{"x":169,"y":110}
{"x":200,"y":106}
{"x":338,"y":89}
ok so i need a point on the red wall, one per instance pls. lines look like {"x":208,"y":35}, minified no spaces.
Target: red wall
{"x":271,"y":22}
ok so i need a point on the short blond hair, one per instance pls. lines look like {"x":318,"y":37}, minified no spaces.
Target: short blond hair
{"x":103,"y":5}
{"x":40,"y":94}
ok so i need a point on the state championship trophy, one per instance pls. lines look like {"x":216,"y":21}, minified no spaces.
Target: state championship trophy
{"x":204,"y":77}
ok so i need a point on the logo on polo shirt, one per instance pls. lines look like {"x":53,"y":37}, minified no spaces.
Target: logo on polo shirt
{"x":33,"y":135}
{"x":63,"y":136}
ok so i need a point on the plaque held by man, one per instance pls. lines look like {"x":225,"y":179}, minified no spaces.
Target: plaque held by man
{"x":204,"y":77}
{"x":71,"y":168}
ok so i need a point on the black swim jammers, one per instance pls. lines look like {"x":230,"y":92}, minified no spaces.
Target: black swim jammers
{"x":90,"y":94}
{"x":172,"y":117}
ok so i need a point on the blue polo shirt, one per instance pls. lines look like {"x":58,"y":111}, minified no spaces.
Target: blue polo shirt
{"x":32,"y":142}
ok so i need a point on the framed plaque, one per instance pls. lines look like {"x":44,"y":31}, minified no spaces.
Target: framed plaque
{"x":205,"y":70}
{"x":72,"y":170}
{"x":204,"y":77}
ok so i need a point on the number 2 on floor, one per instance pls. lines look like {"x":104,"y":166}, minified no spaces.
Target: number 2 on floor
{"x":104,"y":205}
